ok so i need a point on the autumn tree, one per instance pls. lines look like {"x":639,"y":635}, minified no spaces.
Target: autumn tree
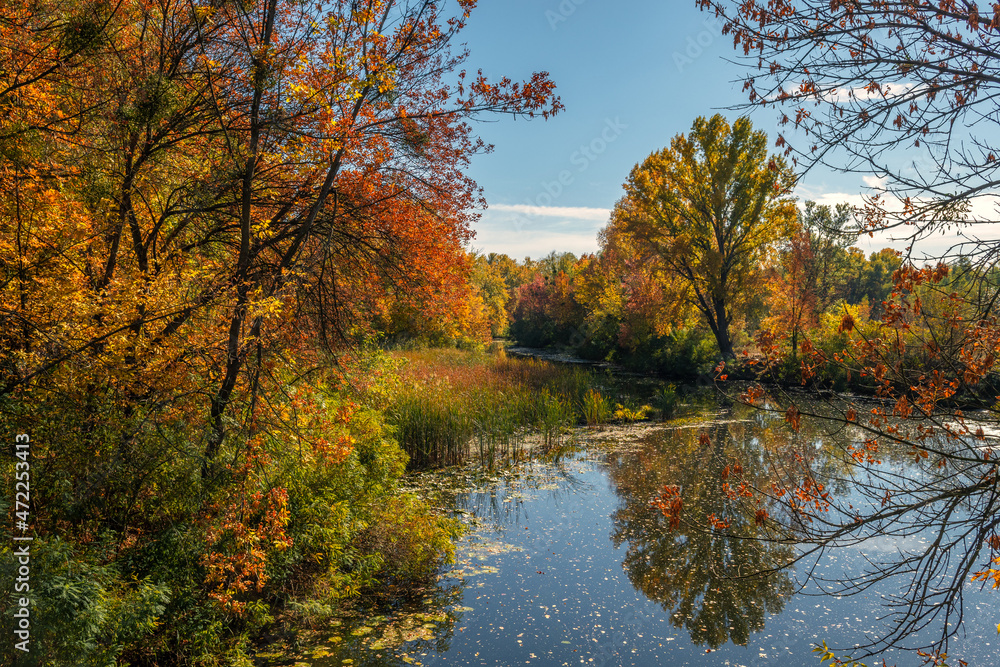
{"x":812,"y":271}
{"x":280,"y":164}
{"x":902,"y":91}
{"x":711,"y":206}
{"x":497,"y":278}
{"x":636,"y":310}
{"x":793,"y":301}
{"x":202,"y":200}
{"x":830,"y":232}
{"x":871,"y":278}
{"x":547,"y":310}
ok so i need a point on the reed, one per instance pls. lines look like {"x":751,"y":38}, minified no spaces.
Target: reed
{"x":453,"y":406}
{"x":596,"y":408}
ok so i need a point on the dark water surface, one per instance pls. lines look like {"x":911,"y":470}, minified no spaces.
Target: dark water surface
{"x":567,"y":563}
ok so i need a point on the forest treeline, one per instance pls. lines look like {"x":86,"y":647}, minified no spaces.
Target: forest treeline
{"x":618,"y":305}
{"x":708,"y":257}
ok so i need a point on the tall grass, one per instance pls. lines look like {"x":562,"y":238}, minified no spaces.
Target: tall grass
{"x":595,"y":407}
{"x":453,"y":406}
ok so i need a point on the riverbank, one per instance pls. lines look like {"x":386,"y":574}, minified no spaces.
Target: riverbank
{"x":564,"y":559}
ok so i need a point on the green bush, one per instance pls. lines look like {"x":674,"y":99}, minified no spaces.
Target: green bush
{"x":81,"y":612}
{"x":666,"y":400}
{"x":409,"y":544}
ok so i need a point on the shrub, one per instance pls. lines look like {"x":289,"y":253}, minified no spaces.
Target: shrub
{"x":80,"y":612}
{"x":665,"y":400}
{"x":409,"y":544}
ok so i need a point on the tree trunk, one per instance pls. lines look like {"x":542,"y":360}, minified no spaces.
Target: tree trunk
{"x":721,"y":329}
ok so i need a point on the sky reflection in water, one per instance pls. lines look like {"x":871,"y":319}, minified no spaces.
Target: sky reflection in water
{"x":570,"y":565}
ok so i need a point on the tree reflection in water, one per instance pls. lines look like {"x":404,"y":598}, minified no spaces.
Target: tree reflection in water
{"x":716,"y":583}
{"x":723,"y":567}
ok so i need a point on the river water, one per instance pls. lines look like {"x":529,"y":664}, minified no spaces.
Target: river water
{"x":567,"y":563}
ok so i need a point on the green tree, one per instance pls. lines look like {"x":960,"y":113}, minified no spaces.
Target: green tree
{"x":872,"y":278}
{"x":711,"y":206}
{"x":829,"y":235}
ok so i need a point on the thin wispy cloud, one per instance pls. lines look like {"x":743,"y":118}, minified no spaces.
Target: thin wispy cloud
{"x":574,"y":212}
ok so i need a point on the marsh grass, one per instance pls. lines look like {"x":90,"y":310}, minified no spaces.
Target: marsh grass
{"x":666,"y":401}
{"x":595,"y":407}
{"x":452,"y":406}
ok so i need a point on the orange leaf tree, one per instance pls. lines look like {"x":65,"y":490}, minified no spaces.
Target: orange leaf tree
{"x":210,"y":179}
{"x":200,"y":198}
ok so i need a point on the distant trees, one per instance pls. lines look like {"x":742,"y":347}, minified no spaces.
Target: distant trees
{"x":496,"y":278}
{"x":627,"y":304}
{"x":794,"y":295}
{"x":710,"y":208}
{"x":547,"y":310}
{"x":816,"y":269}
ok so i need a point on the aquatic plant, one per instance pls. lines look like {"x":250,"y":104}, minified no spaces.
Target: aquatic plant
{"x":453,"y":405}
{"x":596,"y":408}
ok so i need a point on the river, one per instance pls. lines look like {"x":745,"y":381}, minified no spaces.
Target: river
{"x":567,"y":563}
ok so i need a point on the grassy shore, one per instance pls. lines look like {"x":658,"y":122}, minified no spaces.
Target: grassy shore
{"x":451,"y":406}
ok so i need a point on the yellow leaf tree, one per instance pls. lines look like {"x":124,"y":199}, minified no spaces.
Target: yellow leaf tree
{"x":710,"y":207}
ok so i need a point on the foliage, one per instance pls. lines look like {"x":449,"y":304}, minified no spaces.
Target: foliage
{"x":82,"y":612}
{"x":454,"y":404}
{"x":205,"y":205}
{"x":711,"y":206}
{"x":547,"y":311}
{"x":410,"y":543}
{"x":794,"y":302}
{"x":497,"y":278}
{"x":630,"y":298}
{"x":596,"y":408}
{"x":666,"y":400}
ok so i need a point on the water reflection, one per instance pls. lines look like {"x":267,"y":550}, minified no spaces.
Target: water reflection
{"x":707,"y":580}
{"x":568,"y":563}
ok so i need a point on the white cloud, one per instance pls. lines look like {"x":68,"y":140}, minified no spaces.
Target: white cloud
{"x":535,"y":231}
{"x":875,"y":182}
{"x":980,"y":223}
{"x":864,"y":93}
{"x":534,"y":243}
{"x":574,"y":212}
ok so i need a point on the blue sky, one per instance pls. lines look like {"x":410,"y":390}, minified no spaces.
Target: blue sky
{"x":632,"y":74}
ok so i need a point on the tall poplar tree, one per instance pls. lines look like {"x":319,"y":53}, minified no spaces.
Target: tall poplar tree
{"x":711,"y":206}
